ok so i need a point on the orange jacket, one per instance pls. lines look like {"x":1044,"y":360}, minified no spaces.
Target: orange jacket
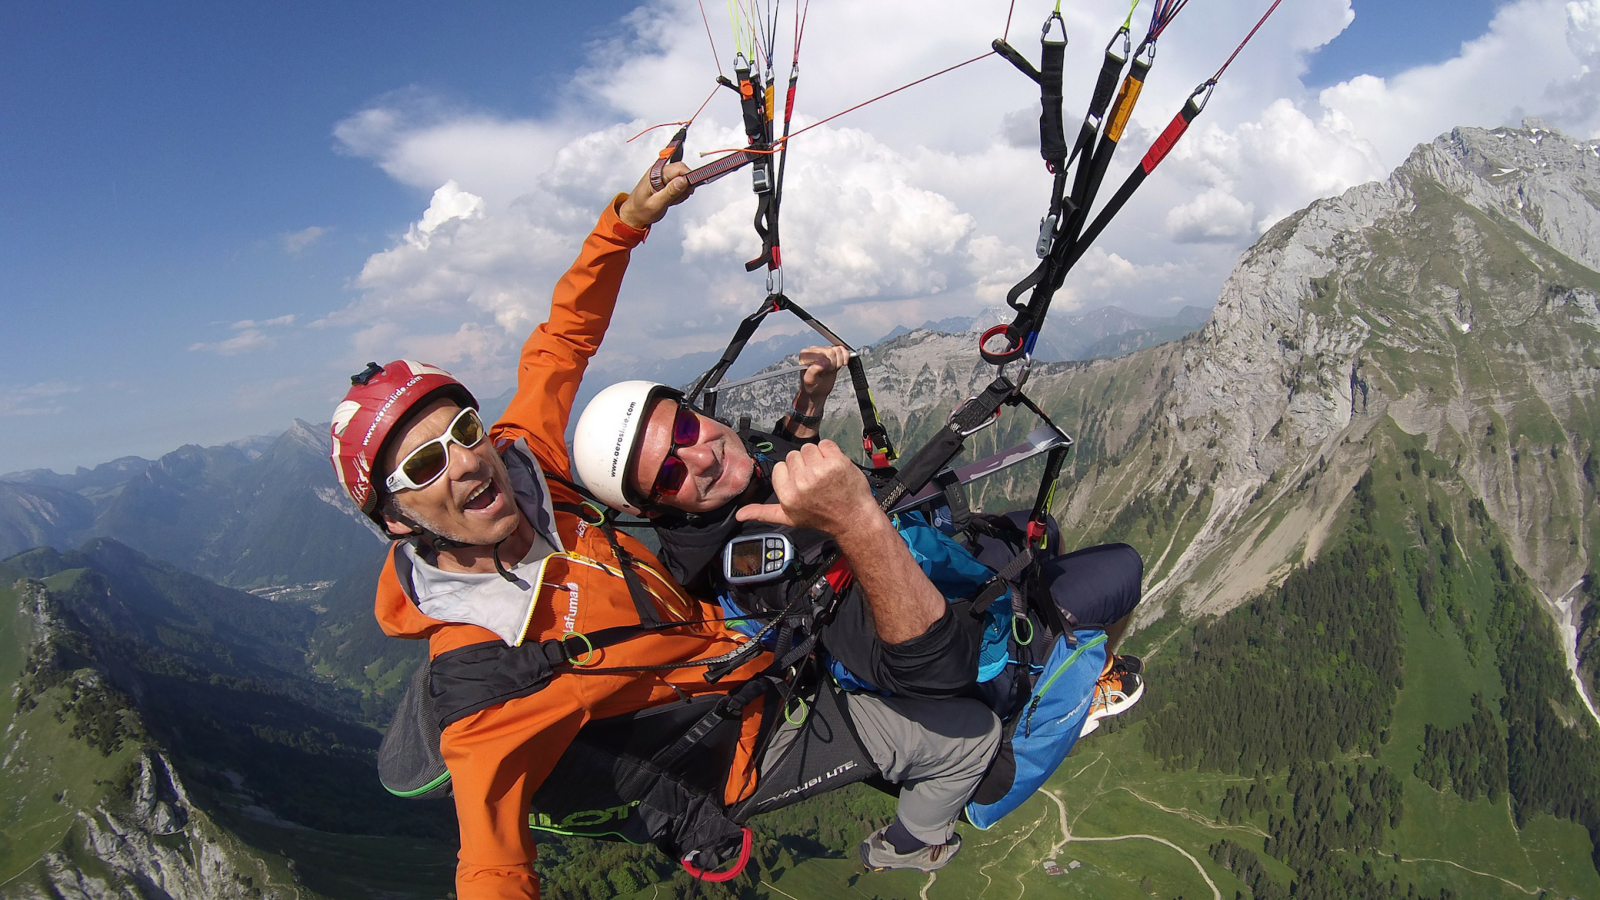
{"x":499,"y":756}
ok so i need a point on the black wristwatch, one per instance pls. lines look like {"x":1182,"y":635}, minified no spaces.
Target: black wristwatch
{"x":804,"y":421}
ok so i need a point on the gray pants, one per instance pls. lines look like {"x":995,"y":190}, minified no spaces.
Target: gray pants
{"x":936,"y":750}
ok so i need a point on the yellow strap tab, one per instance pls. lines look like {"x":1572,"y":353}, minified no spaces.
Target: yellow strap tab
{"x":1126,"y":98}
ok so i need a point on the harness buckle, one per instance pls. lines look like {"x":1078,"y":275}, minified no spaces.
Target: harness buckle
{"x":1036,"y":533}
{"x":1047,"y":235}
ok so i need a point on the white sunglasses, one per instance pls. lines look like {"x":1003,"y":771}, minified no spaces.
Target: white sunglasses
{"x":424,"y":465}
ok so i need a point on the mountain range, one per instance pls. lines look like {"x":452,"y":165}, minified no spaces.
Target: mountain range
{"x":1365,"y":495}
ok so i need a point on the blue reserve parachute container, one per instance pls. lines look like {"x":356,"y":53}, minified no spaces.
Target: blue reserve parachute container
{"x":1044,"y":730}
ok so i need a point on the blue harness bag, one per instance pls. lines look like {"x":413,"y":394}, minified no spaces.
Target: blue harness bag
{"x":1041,"y":734}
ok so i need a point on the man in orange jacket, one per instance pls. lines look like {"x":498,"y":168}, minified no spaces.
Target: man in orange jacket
{"x":487,"y":557}
{"x":494,"y":557}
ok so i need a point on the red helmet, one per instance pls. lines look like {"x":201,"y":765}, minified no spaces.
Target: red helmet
{"x":380,"y":398}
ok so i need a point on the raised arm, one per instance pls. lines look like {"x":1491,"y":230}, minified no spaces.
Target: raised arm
{"x":557,"y":353}
{"x":819,"y":487}
{"x":816,"y":383}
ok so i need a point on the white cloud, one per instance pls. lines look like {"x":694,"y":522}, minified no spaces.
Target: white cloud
{"x":296,"y":241}
{"x":243,"y":342}
{"x":41,"y":399}
{"x":243,"y":324}
{"x":923,"y":206}
{"x":1534,"y":54}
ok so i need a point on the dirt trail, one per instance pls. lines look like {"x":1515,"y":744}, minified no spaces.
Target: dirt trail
{"x":1447,"y":862}
{"x":1195,"y":817}
{"x":1066,"y":838}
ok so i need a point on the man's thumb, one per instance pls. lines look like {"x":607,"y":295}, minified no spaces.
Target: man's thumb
{"x":677,"y":189}
{"x":770,"y":513}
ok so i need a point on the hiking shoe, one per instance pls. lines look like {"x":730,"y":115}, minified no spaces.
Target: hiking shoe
{"x":878,"y":854}
{"x":1116,"y":692}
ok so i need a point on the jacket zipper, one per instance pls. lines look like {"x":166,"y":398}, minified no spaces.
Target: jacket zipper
{"x":1027,"y":721}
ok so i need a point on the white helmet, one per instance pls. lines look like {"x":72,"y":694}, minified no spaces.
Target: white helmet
{"x":607,"y":438}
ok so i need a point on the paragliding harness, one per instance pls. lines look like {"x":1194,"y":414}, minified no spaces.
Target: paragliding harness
{"x":663,"y":775}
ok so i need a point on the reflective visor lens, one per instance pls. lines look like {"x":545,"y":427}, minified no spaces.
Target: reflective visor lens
{"x":685,"y":429}
{"x":428,"y":462}
{"x":672,"y":476}
{"x":685,"y":432}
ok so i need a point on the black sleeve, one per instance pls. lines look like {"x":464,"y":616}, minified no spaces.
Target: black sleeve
{"x":939,"y":663}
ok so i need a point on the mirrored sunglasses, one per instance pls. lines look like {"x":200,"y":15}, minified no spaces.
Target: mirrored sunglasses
{"x":673,"y":472}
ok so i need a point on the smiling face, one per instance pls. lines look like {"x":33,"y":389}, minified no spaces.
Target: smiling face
{"x":471,"y":502}
{"x":719,"y":467}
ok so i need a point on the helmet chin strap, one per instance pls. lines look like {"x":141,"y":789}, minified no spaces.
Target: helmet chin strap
{"x":438,"y":542}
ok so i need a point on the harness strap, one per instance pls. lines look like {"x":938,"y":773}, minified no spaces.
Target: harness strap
{"x":956,"y":498}
{"x":642,"y":602}
{"x":874,"y":436}
{"x":1052,"y":59}
{"x":729,"y":708}
{"x":977,"y":412}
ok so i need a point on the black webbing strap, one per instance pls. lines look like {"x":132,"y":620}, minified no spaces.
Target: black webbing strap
{"x":1152,"y":158}
{"x":1090,"y":176}
{"x":729,"y":708}
{"x":1009,"y":53}
{"x":874,"y":436}
{"x":1104,"y":87}
{"x":955,"y":497}
{"x":935,"y":455}
{"x":1003,"y":580}
{"x":1052,"y":60}
{"x":741,"y":336}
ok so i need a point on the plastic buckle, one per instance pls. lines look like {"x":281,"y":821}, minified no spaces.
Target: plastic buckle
{"x":1047,"y":236}
{"x":1036,"y":532}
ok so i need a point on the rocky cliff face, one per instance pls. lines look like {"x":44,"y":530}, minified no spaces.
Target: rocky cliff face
{"x":151,"y":845}
{"x":1458,"y":300}
{"x":119,"y":821}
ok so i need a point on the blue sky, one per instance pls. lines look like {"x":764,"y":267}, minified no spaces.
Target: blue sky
{"x":157,"y":161}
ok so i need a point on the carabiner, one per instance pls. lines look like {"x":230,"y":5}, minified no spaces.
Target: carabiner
{"x":1127,"y":41}
{"x":985,"y":424}
{"x":1044,"y":33}
{"x":1206,"y":87}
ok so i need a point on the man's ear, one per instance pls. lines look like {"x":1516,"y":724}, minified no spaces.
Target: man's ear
{"x":397,"y":528}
